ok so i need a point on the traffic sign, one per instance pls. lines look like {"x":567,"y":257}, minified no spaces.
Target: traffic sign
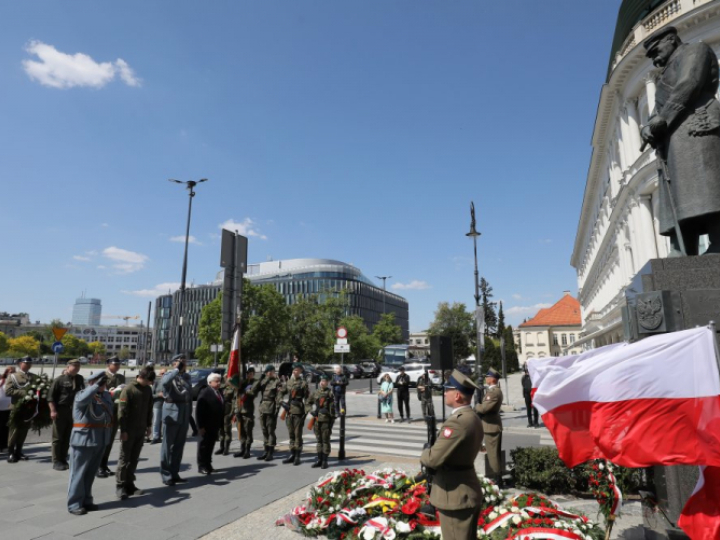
{"x":341,"y":332}
{"x":341,"y":341}
{"x":343,"y":349}
{"x":59,"y":332}
{"x":57,"y":347}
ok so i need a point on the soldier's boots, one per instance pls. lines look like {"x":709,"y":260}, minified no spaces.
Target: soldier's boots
{"x":134,"y":490}
{"x":318,"y":462}
{"x":290,"y":458}
{"x":264,"y":454}
{"x":297,"y":458}
{"x":270,"y":450}
{"x":59,"y":466}
{"x":246,"y":455}
{"x":226,"y":448}
{"x":241,"y":453}
{"x":221,"y":449}
{"x":121,"y":492}
{"x":324,"y":462}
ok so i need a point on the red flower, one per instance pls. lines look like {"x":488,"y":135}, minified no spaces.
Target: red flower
{"x":411,"y":506}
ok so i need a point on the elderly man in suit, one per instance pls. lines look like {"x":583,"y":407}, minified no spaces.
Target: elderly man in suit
{"x":92,"y":425}
{"x":209,"y":416}
{"x":456,"y":492}
{"x":177,"y":410}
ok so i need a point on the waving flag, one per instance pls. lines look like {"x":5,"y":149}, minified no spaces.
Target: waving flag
{"x":233,"y":371}
{"x":701,"y":516}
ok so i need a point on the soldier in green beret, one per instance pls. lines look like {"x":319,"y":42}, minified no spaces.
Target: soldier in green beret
{"x":324,"y":413}
{"x":297,"y":390}
{"x":269,"y":392}
{"x":60,"y":400}
{"x":489,"y":411}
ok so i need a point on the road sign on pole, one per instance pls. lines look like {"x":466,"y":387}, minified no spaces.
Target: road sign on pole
{"x":59,"y":333}
{"x":342,"y":349}
{"x":341,"y":333}
{"x":58,"y":347}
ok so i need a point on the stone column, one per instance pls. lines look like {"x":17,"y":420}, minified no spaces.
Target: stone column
{"x":646,"y":218}
{"x":650,"y":91}
{"x":633,"y":119}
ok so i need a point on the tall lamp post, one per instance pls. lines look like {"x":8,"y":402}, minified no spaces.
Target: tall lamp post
{"x":384,"y":278}
{"x":479,"y":315}
{"x":190,"y":185}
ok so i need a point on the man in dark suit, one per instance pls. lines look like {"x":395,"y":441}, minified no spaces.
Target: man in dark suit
{"x":209,"y":415}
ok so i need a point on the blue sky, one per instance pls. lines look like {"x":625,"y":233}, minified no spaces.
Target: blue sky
{"x":351,"y":130}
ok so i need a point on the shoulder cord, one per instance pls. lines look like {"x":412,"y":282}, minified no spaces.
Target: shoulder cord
{"x":16,"y":384}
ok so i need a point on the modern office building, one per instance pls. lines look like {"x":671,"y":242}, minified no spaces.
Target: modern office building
{"x":87,"y":311}
{"x":292,"y":278}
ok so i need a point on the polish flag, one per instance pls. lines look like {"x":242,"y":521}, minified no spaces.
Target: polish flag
{"x":653,"y":402}
{"x":700,"y":518}
{"x":233,"y":369}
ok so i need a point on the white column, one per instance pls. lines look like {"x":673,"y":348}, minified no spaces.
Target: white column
{"x":650,"y":91}
{"x":646,"y":218}
{"x":626,"y":144}
{"x":622,"y":241}
{"x":633,"y":118}
{"x":661,"y":241}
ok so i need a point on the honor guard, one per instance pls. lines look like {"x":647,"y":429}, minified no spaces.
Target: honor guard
{"x":60,"y":400}
{"x":324,"y":414}
{"x":229,"y":393}
{"x":92,"y":424}
{"x":114,"y":380}
{"x":489,"y":411}
{"x":177,"y":410}
{"x":17,"y":386}
{"x":135,"y":413}
{"x":269,"y":392}
{"x":245,"y":412}
{"x":297,"y":390}
{"x":456,"y":491}
{"x":424,"y":394}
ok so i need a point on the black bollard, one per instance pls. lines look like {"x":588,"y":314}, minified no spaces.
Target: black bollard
{"x":379,"y":415}
{"x":341,"y":451}
{"x":371,"y":384}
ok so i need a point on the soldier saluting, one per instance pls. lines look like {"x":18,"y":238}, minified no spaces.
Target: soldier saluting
{"x":17,"y":386}
{"x":269,"y":391}
{"x":245,"y":412}
{"x":60,"y":400}
{"x":114,"y":379}
{"x":324,"y":414}
{"x":297,"y":389}
{"x":177,"y":410}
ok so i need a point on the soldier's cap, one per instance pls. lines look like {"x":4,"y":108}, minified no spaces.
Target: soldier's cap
{"x":73,"y":361}
{"x":269,"y":368}
{"x":652,"y":42}
{"x":492,"y":373}
{"x":324,"y":378}
{"x":251,"y":369}
{"x":94,"y":374}
{"x":298,"y":365}
{"x":459,"y":381}
{"x":114,"y":360}
{"x":27,"y":359}
{"x":177,"y":357}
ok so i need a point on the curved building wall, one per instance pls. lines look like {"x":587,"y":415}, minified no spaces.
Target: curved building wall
{"x":617,"y":230}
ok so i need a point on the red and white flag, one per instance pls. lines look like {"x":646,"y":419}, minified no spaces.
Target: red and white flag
{"x":233,"y":370}
{"x":700,"y":517}
{"x":654,"y":402}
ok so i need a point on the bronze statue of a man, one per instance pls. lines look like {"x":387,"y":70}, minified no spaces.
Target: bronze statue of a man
{"x":684,"y":129}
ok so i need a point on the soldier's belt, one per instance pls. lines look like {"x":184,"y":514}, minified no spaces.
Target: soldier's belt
{"x":458,"y":468}
{"x":92,"y":425}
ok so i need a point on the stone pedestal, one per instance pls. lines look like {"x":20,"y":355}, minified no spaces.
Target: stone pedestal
{"x":668,"y":295}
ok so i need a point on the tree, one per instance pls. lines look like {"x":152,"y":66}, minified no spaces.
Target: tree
{"x":457,"y":323}
{"x":501,"y":321}
{"x":74,"y":346}
{"x":265,"y":323}
{"x":309,"y":338}
{"x":511,"y":357}
{"x":124,"y":353}
{"x":491,"y":319}
{"x":387,"y":331}
{"x":24,"y":346}
{"x":97,"y":348}
{"x":3,"y":342}
{"x":209,"y":330}
{"x":44,"y":340}
{"x":363,"y":344}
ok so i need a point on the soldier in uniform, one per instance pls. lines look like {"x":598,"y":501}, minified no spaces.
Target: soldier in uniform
{"x":245,"y":412}
{"x":229,"y":393}
{"x":114,"y":379}
{"x":489,"y":411}
{"x":177,"y":410}
{"x":339,"y":387}
{"x":297,"y":390}
{"x":92,"y":423}
{"x":60,"y":400}
{"x":269,"y":391}
{"x":424,"y":394}
{"x":456,"y":492}
{"x":17,"y":386}
{"x":324,"y":414}
{"x":135,"y":413}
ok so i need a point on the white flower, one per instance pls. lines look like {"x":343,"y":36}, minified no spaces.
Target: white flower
{"x":524,"y":515}
{"x":515,"y":510}
{"x":492,"y":515}
{"x":516,"y":520}
{"x":403,"y":527}
{"x":601,"y":466}
{"x":389,"y":535}
{"x":28,"y":398}
{"x":368,"y":533}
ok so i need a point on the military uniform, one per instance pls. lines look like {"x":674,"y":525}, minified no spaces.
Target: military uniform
{"x":62,"y":395}
{"x":113,"y":381}
{"x":424,"y":394}
{"x":269,"y":390}
{"x":135,"y":414}
{"x":17,"y":386}
{"x":176,"y":418}
{"x":298,"y":392}
{"x":456,"y":491}
{"x":489,"y":411}
{"x":92,"y":424}
{"x":245,"y":414}
{"x":339,"y":386}
{"x":229,"y":394}
{"x":324,"y":414}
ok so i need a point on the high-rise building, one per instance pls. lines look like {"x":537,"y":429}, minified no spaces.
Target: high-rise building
{"x":87,"y":311}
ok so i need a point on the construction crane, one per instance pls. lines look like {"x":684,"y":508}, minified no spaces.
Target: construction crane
{"x":125,"y":318}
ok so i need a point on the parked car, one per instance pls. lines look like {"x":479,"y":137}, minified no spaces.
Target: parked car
{"x":312,"y":375}
{"x":414,"y":370}
{"x":356,"y":371}
{"x":371,"y":368}
{"x":329,"y":369}
{"x":198,"y":379}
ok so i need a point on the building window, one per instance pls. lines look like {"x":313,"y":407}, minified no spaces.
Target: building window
{"x":564,"y":339}
{"x":555,"y":342}
{"x":572,"y":338}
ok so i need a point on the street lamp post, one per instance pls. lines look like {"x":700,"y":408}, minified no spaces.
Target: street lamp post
{"x":479,"y":315}
{"x":190,"y":185}
{"x":384,"y":278}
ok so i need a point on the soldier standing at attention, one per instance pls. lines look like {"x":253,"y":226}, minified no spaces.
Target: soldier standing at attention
{"x":324,"y":414}
{"x":17,"y":386}
{"x":60,"y":400}
{"x":269,"y":391}
{"x":176,"y":419}
{"x":339,"y":386}
{"x":92,"y":423}
{"x":229,"y":393}
{"x":297,"y":389}
{"x":245,"y":412}
{"x":114,"y":379}
{"x":489,"y":411}
{"x":424,"y":394}
{"x":456,"y":489}
{"x":135,"y":415}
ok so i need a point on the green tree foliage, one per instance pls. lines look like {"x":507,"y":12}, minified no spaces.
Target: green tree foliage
{"x":309,"y":336}
{"x":492,"y":357}
{"x":124,"y":353}
{"x":456,"y":322}
{"x":511,"y":357}
{"x":45,"y":338}
{"x":491,"y":318}
{"x":387,"y":332}
{"x":363,"y":344}
{"x":97,"y":348}
{"x":24,"y":346}
{"x":3,"y":342}
{"x":266,"y":319}
{"x":74,"y":346}
{"x":209,"y":329}
{"x":501,"y":321}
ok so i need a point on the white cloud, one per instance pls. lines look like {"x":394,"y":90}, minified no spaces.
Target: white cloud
{"x":125,"y":261}
{"x":517,"y":296}
{"x":158,"y":290}
{"x":247,"y":227}
{"x":191,"y":239}
{"x":413,"y":285}
{"x":61,"y":70}
{"x":525,"y":310}
{"x":81,"y":258}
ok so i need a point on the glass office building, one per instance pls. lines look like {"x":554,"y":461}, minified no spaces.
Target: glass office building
{"x":87,"y":312}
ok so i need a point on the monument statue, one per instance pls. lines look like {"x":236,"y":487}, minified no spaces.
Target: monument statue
{"x":684,"y":129}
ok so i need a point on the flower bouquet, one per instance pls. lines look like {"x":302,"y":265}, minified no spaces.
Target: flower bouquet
{"x":33,"y":407}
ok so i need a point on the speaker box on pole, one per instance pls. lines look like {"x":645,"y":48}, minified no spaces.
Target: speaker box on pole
{"x":441,"y":352}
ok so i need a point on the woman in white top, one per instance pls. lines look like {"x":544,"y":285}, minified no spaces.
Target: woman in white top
{"x":4,"y":409}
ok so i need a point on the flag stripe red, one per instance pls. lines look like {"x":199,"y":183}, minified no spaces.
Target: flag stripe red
{"x":700,"y":518}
